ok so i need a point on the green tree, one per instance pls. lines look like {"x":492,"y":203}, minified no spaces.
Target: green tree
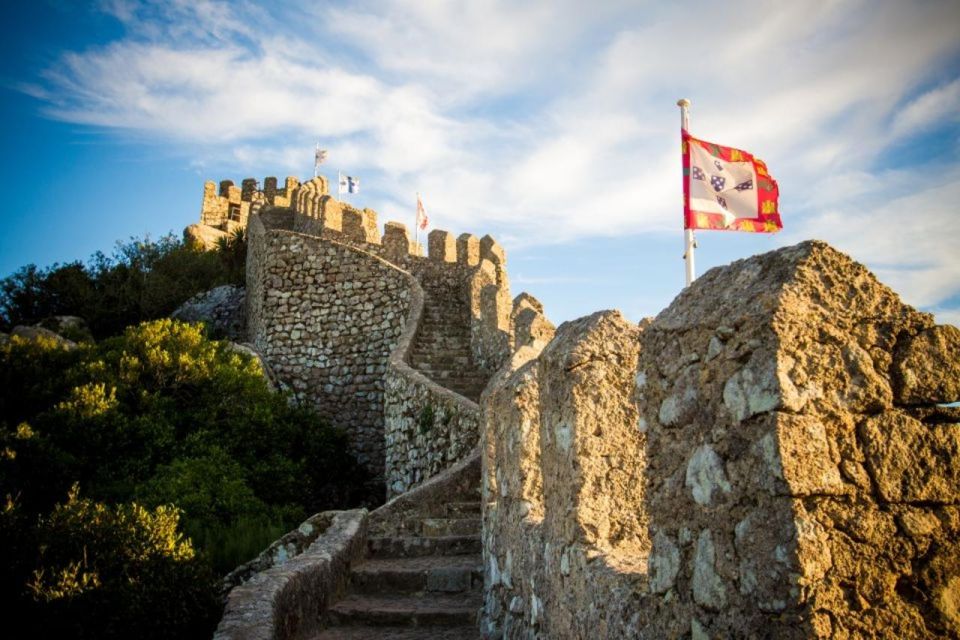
{"x":143,"y":279}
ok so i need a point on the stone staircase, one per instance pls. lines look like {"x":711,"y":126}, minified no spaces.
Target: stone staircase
{"x":425,"y":584}
{"x":441,"y":349}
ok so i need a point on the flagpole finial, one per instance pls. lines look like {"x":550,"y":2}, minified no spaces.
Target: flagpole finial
{"x":683,"y":102}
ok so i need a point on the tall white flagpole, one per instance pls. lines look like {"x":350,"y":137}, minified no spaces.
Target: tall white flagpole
{"x":416,"y":224}
{"x":688,"y":241}
{"x":316,"y":165}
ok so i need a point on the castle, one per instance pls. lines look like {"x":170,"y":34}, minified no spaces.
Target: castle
{"x":768,"y":457}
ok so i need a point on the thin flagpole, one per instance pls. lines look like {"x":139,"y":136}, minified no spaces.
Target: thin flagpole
{"x":416,"y":224}
{"x":688,"y":241}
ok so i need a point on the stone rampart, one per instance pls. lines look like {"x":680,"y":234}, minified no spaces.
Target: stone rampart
{"x":288,"y":600}
{"x":426,"y":426}
{"x":229,"y":207}
{"x":326,"y":316}
{"x":787,"y":463}
{"x":565,"y":531}
{"x":335,"y":307}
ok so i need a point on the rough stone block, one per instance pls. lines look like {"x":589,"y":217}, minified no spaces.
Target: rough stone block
{"x":269,"y":187}
{"x":806,"y":463}
{"x":927,"y":367}
{"x":441,"y":246}
{"x":331,"y":214}
{"x":248,"y":189}
{"x":491,"y":250}
{"x":353,"y":227}
{"x":911,"y":461}
{"x":468,"y":249}
{"x":396,"y":241}
{"x":371,"y":229}
{"x":526,"y":301}
{"x":531,"y":329}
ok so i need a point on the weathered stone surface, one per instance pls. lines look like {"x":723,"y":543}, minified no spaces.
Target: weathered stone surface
{"x":563,"y":462}
{"x":927,"y":367}
{"x":441,"y":246}
{"x":288,"y":546}
{"x":468,"y":249}
{"x":530,"y":326}
{"x":705,"y":476}
{"x":911,"y":461}
{"x":664,"y":563}
{"x":282,"y":601}
{"x":396,"y":241}
{"x":222,"y":309}
{"x":708,"y":588}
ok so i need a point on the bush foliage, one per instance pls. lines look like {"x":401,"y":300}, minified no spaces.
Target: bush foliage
{"x":137,"y":468}
{"x":142,"y":280}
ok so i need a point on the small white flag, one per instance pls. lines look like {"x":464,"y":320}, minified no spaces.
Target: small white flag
{"x":320,"y":156}
{"x":422,"y":220}
{"x":348,"y":184}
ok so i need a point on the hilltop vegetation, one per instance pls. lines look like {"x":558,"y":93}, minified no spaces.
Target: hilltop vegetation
{"x":143,"y":280}
{"x":137,"y":469}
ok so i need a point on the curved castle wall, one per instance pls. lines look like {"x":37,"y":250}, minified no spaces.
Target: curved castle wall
{"x":336,"y":309}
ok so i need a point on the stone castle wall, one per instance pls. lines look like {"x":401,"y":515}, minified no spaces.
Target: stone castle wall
{"x":564,"y":528}
{"x":766,"y":458}
{"x":785,"y":472}
{"x":334,"y":307}
{"x":326,"y":316}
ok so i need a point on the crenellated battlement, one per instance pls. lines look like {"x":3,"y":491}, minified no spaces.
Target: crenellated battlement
{"x":227,"y":207}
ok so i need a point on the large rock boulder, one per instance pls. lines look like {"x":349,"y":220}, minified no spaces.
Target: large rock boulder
{"x":70,"y":327}
{"x":221,"y":308}
{"x":39,"y":333}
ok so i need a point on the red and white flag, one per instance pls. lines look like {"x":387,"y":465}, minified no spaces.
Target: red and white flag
{"x":727,"y":189}
{"x":422,"y":220}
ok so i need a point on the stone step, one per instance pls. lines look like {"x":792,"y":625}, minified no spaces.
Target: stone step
{"x":438,"y":527}
{"x":411,"y":547}
{"x":460,"y":632}
{"x":426,"y":574}
{"x":413,"y":610}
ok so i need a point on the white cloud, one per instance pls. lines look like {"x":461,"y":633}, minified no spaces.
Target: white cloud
{"x":936,"y":106}
{"x":553,"y":120}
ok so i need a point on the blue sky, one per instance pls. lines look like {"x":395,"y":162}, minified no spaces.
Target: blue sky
{"x":550,"y":125}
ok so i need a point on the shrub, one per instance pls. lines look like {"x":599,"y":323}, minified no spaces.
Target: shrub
{"x":142,"y":280}
{"x":162,"y":417}
{"x":111,"y":571}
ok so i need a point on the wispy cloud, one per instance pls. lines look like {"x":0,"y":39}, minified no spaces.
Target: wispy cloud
{"x":551,"y":121}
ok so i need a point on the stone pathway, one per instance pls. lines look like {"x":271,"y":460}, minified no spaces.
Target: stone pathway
{"x":424,"y":585}
{"x":441,"y":349}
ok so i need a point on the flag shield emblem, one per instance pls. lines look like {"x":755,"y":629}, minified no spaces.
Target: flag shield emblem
{"x":727,"y":189}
